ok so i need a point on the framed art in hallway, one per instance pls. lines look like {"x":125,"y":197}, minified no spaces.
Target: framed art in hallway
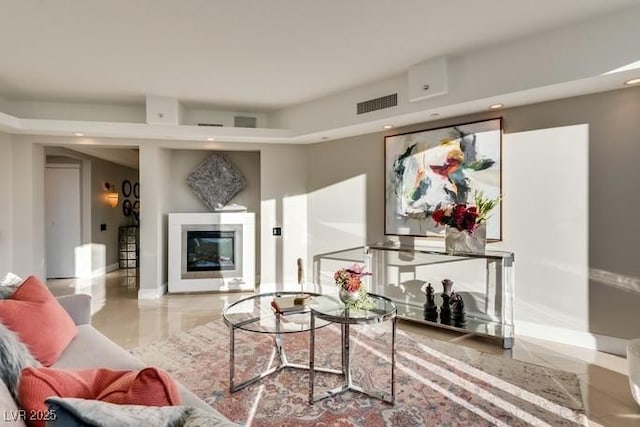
{"x":430,"y":169}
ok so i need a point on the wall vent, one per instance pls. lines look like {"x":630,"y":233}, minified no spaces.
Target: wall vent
{"x":377,"y":103}
{"x":244,"y":122}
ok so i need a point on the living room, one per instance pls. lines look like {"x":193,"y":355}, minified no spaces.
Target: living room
{"x":315,"y":169}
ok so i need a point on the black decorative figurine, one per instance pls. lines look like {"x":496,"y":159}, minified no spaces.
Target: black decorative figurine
{"x":445,"y":309}
{"x":430,"y":308}
{"x":459,"y":317}
{"x":447,"y":287}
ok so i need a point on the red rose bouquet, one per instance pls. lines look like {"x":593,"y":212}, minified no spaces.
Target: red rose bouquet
{"x":465,"y":217}
{"x":460,"y":216}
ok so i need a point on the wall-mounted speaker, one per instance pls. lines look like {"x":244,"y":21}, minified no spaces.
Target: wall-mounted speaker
{"x":428,"y":79}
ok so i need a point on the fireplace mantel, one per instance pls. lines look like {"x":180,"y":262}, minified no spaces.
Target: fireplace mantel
{"x":239,"y":224}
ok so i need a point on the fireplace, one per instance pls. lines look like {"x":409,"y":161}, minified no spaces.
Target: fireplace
{"x":211,"y":252}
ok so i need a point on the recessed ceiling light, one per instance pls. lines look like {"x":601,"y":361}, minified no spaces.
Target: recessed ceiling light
{"x":496,"y":106}
{"x":387,"y":126}
{"x":79,"y":134}
{"x":632,"y":82}
{"x":211,"y":139}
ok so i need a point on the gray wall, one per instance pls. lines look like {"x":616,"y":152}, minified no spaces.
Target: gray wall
{"x":27,"y":205}
{"x":101,"y":213}
{"x":614,"y":199}
{"x":6,"y":218}
{"x":603,"y":297}
{"x":183,"y":162}
{"x":182,"y":199}
{"x":280,"y":170}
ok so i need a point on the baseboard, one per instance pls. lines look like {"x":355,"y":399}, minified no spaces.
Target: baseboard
{"x":104,"y":270}
{"x":152,"y":293}
{"x":98,"y":272}
{"x":571,"y":337}
{"x":113,"y":267}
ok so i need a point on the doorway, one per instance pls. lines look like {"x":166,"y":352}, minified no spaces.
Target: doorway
{"x":63,"y":218}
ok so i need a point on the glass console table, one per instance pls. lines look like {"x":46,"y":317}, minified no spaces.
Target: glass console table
{"x":485,"y":282}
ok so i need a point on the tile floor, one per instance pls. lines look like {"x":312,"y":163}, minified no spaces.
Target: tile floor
{"x":120,"y":316}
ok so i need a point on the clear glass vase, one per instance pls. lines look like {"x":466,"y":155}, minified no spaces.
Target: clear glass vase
{"x":348,"y":297}
{"x":465,"y":241}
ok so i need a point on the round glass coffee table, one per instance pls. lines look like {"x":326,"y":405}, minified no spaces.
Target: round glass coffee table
{"x":256,"y":314}
{"x":325,"y":308}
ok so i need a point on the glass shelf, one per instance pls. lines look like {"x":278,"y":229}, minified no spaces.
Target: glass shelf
{"x":485,"y":282}
{"x":474,"y":325}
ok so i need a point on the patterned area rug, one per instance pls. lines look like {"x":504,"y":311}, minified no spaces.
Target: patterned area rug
{"x":437,"y":383}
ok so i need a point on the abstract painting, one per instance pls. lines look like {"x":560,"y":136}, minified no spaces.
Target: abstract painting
{"x":429,"y":169}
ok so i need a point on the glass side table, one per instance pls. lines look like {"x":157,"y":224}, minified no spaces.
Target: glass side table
{"x":255,"y":314}
{"x":325,"y":308}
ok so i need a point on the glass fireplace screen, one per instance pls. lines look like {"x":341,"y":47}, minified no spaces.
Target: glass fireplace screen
{"x":210,"y":250}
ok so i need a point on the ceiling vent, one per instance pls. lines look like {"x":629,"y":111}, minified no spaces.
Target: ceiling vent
{"x":381,"y":103}
{"x":244,"y":122}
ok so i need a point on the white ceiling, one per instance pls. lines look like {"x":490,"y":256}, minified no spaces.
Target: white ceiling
{"x":248,"y":55}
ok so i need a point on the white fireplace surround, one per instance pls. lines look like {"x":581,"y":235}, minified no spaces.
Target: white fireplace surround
{"x":243,"y":280}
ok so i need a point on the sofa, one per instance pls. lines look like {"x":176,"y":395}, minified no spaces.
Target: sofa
{"x":91,"y":349}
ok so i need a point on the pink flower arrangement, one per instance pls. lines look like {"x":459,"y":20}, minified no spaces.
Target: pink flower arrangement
{"x":350,"y":279}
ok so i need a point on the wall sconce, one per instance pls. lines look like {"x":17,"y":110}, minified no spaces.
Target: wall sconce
{"x":112,"y":195}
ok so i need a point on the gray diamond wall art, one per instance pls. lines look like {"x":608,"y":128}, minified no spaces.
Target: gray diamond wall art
{"x":216,"y":181}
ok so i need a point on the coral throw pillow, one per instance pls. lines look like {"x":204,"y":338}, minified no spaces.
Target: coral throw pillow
{"x":149,"y":387}
{"x":39,"y":320}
